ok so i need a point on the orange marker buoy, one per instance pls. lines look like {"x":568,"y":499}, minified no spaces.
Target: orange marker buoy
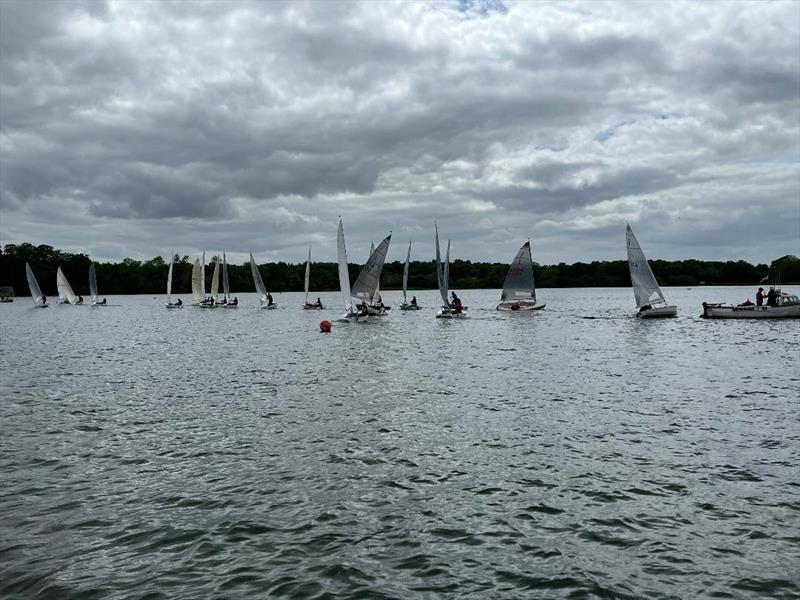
{"x":325,"y":326}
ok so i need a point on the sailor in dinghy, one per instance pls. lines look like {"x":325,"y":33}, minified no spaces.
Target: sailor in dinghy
{"x":406,"y":305}
{"x":365,"y":285}
{"x":306,"y":304}
{"x":170,"y":303}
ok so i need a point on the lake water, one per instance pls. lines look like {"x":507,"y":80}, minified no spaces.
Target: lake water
{"x":148,"y":453}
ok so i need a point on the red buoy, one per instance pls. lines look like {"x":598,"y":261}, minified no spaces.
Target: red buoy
{"x":325,"y":326}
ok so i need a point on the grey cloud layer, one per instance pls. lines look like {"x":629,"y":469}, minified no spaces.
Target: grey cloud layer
{"x":140,"y":128}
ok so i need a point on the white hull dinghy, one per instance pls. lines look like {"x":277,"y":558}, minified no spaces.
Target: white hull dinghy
{"x":39,"y":300}
{"x":519,"y":288}
{"x":306,"y":304}
{"x":787,"y":306}
{"x":261,"y":289}
{"x":170,"y":303}
{"x":406,"y":305}
{"x":447,"y":311}
{"x":649,"y":298}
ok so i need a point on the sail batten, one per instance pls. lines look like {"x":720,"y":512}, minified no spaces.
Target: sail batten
{"x":36,"y":292}
{"x":645,"y":287}
{"x":344,"y":275}
{"x":259,"y":283}
{"x":368,"y":281}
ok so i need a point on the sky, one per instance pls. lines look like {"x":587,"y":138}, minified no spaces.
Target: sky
{"x":136,"y":129}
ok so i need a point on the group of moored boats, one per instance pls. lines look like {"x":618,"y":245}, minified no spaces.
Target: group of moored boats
{"x":362,"y":299}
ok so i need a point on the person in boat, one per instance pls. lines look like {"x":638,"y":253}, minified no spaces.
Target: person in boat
{"x":760,"y":297}
{"x":645,"y":307}
{"x":413,"y":300}
{"x":269,"y":299}
{"x":363,"y":311}
{"x":103,"y":301}
{"x":235,"y":302}
{"x":80,"y":299}
{"x":772,"y":297}
{"x":318,"y":303}
{"x":457,"y":305}
{"x":44,"y":299}
{"x":179,"y":302}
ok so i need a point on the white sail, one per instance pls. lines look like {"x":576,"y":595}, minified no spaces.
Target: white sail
{"x":225,"y":288}
{"x":369,"y":278}
{"x":344,"y":275}
{"x":308,"y":274}
{"x":65,"y":287}
{"x":62,"y":297}
{"x":377,"y":293}
{"x":215,"y":280}
{"x":446,"y":275}
{"x":645,"y":286}
{"x":519,"y":284}
{"x":93,"y":284}
{"x":198,"y":291}
{"x":405,"y":272}
{"x":169,"y":283}
{"x":36,"y":292}
{"x":259,"y":283}
{"x":203,"y":274}
{"x":440,"y":270}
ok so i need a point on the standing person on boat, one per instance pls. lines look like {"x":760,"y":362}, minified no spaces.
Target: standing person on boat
{"x":772,"y":297}
{"x":760,"y":297}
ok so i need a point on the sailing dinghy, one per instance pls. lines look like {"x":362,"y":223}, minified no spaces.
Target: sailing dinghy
{"x":213,"y":299}
{"x":649,"y":298}
{"x":170,"y":303}
{"x":366,"y":286}
{"x":93,"y":288}
{"x":65,"y":293}
{"x":448,"y":310}
{"x":263,"y":296}
{"x":519,"y":288}
{"x":406,"y":305}
{"x":227,"y":301}
{"x":39,"y":300}
{"x":309,"y":305}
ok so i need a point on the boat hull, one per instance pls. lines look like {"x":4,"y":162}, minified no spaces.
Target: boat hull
{"x":519,"y":306}
{"x":445,"y":313}
{"x":311,"y":307}
{"x":661,"y":312}
{"x":409,"y":307}
{"x":173,"y":305}
{"x":272,"y":306}
{"x":722,"y":311}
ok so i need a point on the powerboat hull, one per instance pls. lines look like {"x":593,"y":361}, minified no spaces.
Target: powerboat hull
{"x":660,"y":312}
{"x":726,"y":311}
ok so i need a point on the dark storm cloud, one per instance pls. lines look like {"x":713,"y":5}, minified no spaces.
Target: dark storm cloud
{"x":252,"y":126}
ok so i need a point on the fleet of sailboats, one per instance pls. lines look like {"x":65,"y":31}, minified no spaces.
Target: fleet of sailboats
{"x":519,"y":288}
{"x":649,"y":298}
{"x":363,"y":299}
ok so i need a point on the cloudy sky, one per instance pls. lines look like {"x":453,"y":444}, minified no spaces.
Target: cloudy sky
{"x":145,"y":128}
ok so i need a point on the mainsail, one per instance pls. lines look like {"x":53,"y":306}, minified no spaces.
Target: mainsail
{"x":65,"y":287}
{"x":215,"y":280}
{"x":203,"y":275}
{"x":36,"y":293}
{"x":93,"y":284}
{"x":519,"y":284}
{"x":198,"y":288}
{"x":344,"y":275}
{"x":442,"y":270}
{"x":169,"y":283}
{"x":377,"y":293}
{"x":405,"y":272}
{"x":259,"y":283}
{"x":369,"y":278}
{"x":645,"y":286}
{"x":225,"y":288}
{"x":308,"y":274}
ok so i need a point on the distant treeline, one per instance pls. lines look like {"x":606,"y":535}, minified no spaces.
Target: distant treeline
{"x":149,"y":277}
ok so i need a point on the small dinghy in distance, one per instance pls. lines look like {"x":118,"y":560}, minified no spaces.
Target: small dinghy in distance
{"x":365,"y":289}
{"x":649,"y":298}
{"x":306,"y":304}
{"x":170,"y":303}
{"x":519,"y":288}
{"x":448,"y":311}
{"x":406,"y":305}
{"x":39,"y":300}
{"x":787,"y":306}
{"x":261,"y":290}
{"x":93,"y":288}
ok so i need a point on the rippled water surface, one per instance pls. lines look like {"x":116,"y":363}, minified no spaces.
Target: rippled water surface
{"x":241,"y":453}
